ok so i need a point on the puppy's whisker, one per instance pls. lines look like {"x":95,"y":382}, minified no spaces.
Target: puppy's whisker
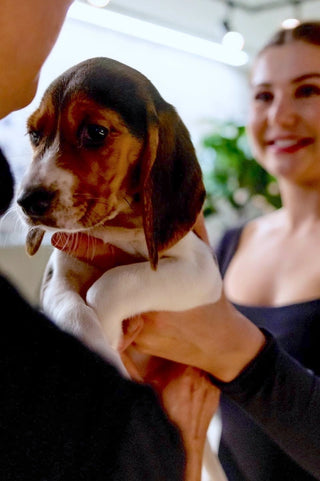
{"x":65,"y":244}
{"x":128,"y":202}
{"x":10,"y":212}
{"x":90,"y":245}
{"x":87,"y":244}
{"x":92,"y":250}
{"x":97,"y":200}
{"x":75,"y":242}
{"x":11,"y":224}
{"x":59,"y":234}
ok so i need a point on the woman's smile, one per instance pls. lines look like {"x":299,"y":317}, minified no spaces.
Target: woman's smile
{"x":288,"y":145}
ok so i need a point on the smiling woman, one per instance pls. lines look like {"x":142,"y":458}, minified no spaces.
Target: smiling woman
{"x":271,"y":265}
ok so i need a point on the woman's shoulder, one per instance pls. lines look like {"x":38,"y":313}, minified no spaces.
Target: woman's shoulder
{"x":265,"y":223}
{"x":250,"y":231}
{"x":256,"y":226}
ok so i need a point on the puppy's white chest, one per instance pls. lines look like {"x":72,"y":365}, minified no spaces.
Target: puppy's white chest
{"x":129,"y":240}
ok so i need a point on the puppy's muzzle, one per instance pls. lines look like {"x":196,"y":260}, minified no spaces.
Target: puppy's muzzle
{"x":36,"y":202}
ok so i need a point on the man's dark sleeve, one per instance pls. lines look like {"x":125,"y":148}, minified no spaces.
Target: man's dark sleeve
{"x":67,"y":415}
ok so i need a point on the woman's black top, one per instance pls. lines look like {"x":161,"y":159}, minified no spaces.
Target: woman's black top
{"x":271,"y":412}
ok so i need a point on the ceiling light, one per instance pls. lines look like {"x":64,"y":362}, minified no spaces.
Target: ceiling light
{"x":233,"y":41}
{"x":157,"y":34}
{"x":98,"y":3}
{"x":293,"y":21}
{"x":290,"y":23}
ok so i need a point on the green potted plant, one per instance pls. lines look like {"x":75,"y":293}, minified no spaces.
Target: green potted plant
{"x":232,"y":176}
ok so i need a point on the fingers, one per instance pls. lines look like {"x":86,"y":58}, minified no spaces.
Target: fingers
{"x":131,"y":367}
{"x":131,"y":329}
{"x":91,"y":250}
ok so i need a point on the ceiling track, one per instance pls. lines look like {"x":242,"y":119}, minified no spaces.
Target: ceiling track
{"x":264,"y":6}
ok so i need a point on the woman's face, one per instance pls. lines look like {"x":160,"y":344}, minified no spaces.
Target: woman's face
{"x":284,"y":113}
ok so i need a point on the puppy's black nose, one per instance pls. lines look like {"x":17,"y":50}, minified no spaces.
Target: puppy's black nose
{"x":35,"y":202}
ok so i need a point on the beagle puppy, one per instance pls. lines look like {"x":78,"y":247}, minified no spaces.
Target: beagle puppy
{"x":112,"y":158}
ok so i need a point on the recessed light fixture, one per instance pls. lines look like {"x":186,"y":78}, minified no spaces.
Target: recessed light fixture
{"x":98,"y":3}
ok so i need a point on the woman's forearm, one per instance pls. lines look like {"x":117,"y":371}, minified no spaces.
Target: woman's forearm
{"x":215,"y":338}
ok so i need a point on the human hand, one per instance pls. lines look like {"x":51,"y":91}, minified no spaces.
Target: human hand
{"x":215,"y":338}
{"x":188,"y":397}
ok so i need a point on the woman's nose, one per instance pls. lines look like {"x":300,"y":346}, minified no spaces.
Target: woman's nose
{"x":282,"y":111}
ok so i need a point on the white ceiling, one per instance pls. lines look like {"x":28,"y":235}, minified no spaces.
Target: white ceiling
{"x":255,"y":19}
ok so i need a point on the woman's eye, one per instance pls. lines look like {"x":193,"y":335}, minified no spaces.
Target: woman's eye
{"x":307,"y":91}
{"x":93,"y":135}
{"x":263,"y":96}
{"x":35,"y":137}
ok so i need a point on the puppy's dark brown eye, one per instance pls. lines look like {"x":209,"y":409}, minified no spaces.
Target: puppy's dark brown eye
{"x":93,"y":135}
{"x":35,"y":137}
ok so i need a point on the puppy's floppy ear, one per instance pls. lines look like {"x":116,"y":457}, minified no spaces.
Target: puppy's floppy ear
{"x":172,"y":187}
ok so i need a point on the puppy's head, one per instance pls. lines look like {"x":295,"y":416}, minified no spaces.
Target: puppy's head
{"x":109,"y":149}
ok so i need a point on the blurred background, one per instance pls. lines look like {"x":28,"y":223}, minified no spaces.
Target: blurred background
{"x":198,"y":54}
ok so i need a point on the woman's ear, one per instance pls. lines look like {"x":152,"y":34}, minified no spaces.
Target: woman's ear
{"x":172,"y":188}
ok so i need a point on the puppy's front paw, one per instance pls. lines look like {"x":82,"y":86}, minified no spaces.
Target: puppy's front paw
{"x":112,"y":329}
{"x":114,"y":334}
{"x":108,"y":312}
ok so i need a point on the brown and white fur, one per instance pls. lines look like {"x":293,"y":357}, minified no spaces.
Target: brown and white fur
{"x":113,"y":159}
